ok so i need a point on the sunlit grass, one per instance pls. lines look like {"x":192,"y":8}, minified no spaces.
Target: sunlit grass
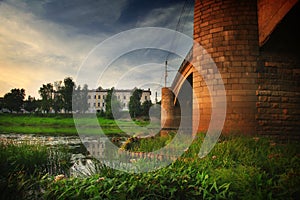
{"x":237,"y":168}
{"x":60,"y":125}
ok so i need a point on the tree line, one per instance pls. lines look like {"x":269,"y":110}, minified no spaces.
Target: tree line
{"x":58,"y":97}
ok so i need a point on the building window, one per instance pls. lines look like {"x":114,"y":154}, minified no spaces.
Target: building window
{"x":146,"y":98}
{"x":118,"y":96}
{"x":95,"y":97}
{"x":94,"y":104}
{"x":103,"y":104}
{"x":89,"y":97}
{"x":99,"y":97}
{"x":124,"y":97}
{"x":98,"y":104}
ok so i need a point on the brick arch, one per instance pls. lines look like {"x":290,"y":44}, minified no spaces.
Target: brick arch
{"x":262,"y":85}
{"x":270,"y":14}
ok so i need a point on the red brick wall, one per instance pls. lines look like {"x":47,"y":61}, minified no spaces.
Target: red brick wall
{"x":228,"y":30}
{"x":279,"y":96}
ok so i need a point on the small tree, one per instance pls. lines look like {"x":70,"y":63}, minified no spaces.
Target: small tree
{"x":57,"y":101}
{"x":146,"y":107}
{"x":30,"y":104}
{"x":14,"y":99}
{"x":80,"y":99}
{"x":46,"y":92}
{"x":1,"y":103}
{"x":66,"y":92}
{"x":113,"y":105}
{"x":135,"y":108}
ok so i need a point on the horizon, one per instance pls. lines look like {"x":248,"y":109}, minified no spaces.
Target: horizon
{"x":47,"y":41}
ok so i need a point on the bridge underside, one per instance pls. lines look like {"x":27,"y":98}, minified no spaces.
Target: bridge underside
{"x":259,"y":66}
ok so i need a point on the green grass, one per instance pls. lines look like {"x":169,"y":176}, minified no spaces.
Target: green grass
{"x":60,"y":125}
{"x":23,"y":166}
{"x":148,"y":144}
{"x":237,"y":168}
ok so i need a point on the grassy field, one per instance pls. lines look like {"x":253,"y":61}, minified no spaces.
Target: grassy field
{"x":237,"y":168}
{"x":59,"y":125}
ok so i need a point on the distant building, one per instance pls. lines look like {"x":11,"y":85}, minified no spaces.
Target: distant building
{"x":96,"y":98}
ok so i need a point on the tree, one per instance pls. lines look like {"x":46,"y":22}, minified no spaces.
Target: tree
{"x":113,"y":106}
{"x":135,"y":108}
{"x":46,"y":92}
{"x":146,"y":107}
{"x":66,"y":92}
{"x":1,"y":103}
{"x":84,"y":98}
{"x":14,"y":99}
{"x":30,"y":104}
{"x":80,"y":99}
{"x":57,"y":104}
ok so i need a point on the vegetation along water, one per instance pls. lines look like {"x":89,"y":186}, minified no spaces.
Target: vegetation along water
{"x":238,"y":167}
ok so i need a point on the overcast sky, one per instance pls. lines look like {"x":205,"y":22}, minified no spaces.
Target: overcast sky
{"x":42,"y":41}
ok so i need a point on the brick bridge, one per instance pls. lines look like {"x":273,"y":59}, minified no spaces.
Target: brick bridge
{"x":255,"y":46}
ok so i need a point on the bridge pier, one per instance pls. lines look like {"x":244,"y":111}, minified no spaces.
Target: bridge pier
{"x":169,"y":117}
{"x":255,"y":46}
{"x":231,"y":39}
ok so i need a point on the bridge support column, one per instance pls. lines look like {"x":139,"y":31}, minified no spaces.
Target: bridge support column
{"x":228,"y":31}
{"x":168,"y":111}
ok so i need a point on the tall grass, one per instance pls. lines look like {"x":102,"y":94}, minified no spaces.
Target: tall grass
{"x":237,"y":168}
{"x":22,"y":166}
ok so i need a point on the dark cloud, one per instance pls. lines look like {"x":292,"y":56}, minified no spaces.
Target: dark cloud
{"x":109,"y":16}
{"x":88,"y":16}
{"x":55,"y":36}
{"x":138,"y":9}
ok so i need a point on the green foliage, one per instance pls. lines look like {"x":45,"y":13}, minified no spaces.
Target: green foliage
{"x":135,"y":108}
{"x":237,"y":168}
{"x":112,"y":105}
{"x":57,"y":97}
{"x":59,"y":124}
{"x":14,"y":99}
{"x":146,"y":105}
{"x":46,"y":92}
{"x":173,"y":182}
{"x":31,"y":104}
{"x":80,"y":99}
{"x":148,"y":144}
{"x":21,"y":167}
{"x":24,"y":164}
{"x":66,"y":93}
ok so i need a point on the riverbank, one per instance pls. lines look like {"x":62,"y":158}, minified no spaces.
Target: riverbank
{"x":59,"y":125}
{"x":237,"y":168}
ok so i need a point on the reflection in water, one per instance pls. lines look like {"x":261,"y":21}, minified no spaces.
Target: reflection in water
{"x":79,"y":156}
{"x":84,"y":155}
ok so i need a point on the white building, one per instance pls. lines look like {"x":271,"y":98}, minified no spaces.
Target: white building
{"x":96,"y":98}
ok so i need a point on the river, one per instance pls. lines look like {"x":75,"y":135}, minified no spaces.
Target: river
{"x":81,"y":161}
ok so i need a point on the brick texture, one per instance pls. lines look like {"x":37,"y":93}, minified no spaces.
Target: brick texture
{"x":228,"y":31}
{"x":261,"y":79}
{"x":278,"y":95}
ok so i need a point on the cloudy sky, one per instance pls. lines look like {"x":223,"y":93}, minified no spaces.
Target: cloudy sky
{"x":42,"y":41}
